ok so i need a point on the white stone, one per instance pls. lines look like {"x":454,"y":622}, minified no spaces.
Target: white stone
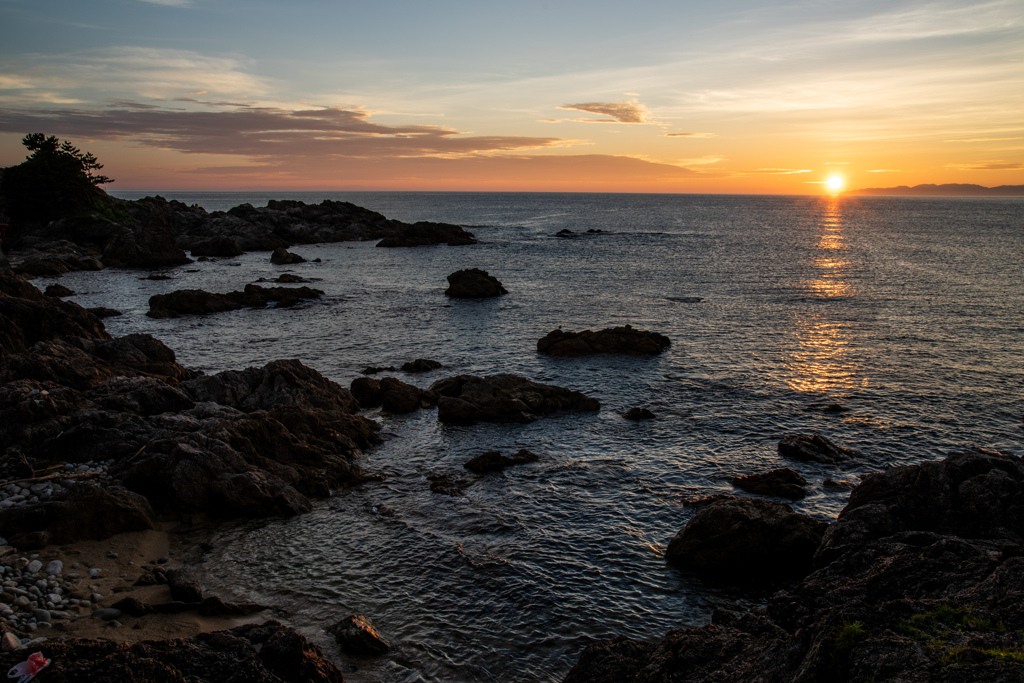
{"x":95,"y":571}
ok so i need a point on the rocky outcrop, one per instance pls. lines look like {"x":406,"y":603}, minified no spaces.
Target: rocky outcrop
{"x":424,"y":234}
{"x":253,"y":442}
{"x":199,"y":302}
{"x":266,"y":653}
{"x":814,"y":448}
{"x":283,"y":257}
{"x":784,"y":483}
{"x":930,"y":593}
{"x":748,"y":540}
{"x":638,"y":414}
{"x":467,"y":399}
{"x":473,"y":284}
{"x":358,"y":636}
{"x":59,"y":291}
{"x":394,"y":395}
{"x":616,"y":340}
{"x":494,"y":461}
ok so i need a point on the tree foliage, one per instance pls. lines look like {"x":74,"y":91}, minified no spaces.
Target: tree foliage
{"x":57,"y":180}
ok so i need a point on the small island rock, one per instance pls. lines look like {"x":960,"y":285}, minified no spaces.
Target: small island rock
{"x":616,"y":340}
{"x":473,"y":283}
{"x":784,"y":483}
{"x":814,"y":448}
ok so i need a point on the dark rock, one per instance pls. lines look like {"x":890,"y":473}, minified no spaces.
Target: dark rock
{"x":473,"y":284}
{"x":748,"y":540}
{"x":58,"y":291}
{"x":448,"y":484}
{"x":256,"y":653}
{"x":366,"y":391}
{"x":466,"y":399}
{"x":420,"y":365}
{"x":213,"y":606}
{"x":81,"y":512}
{"x":398,"y":397}
{"x":199,"y":302}
{"x":912,"y":605}
{"x":102,"y":312}
{"x":494,"y":461}
{"x":784,"y":483}
{"x":218,"y":247}
{"x":133,"y":607}
{"x":616,"y":340}
{"x":184,"y":585}
{"x":371,"y":370}
{"x":704,"y":501}
{"x":158,"y":277}
{"x":833,"y":485}
{"x":358,"y":636}
{"x":976,"y":494}
{"x":289,"y":279}
{"x":814,"y":449}
{"x":283,"y":257}
{"x":564,"y":232}
{"x":425,"y":234}
{"x":637,"y":414}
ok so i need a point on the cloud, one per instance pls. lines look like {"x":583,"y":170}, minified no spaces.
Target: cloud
{"x":988,"y":166}
{"x":620,"y":111}
{"x":691,"y":135}
{"x":782,"y":171}
{"x":262,"y":132}
{"x":984,"y":139}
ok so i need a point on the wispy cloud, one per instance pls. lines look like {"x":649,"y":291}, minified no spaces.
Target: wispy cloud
{"x":984,"y":139}
{"x":620,"y":111}
{"x":988,"y":166}
{"x":782,"y":171}
{"x":264,"y":132}
{"x":691,"y":135}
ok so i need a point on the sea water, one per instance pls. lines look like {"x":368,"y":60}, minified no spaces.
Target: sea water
{"x":907,"y":312}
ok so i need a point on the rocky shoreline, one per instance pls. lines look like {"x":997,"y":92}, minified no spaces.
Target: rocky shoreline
{"x":919,"y":579}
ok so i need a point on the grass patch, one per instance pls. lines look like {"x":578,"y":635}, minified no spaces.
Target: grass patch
{"x":945,"y":631}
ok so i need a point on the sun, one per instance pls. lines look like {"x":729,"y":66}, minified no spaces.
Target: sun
{"x":835,"y":182}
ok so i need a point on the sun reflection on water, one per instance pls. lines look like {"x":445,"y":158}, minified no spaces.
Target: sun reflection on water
{"x":821,"y":360}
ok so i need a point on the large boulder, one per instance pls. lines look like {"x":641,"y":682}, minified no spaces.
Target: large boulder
{"x":616,"y":340}
{"x":748,"y":540}
{"x":466,"y":399}
{"x":473,"y":284}
{"x":974,"y":494}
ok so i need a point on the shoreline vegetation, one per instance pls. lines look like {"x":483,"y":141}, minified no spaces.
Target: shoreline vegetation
{"x":113,"y":452}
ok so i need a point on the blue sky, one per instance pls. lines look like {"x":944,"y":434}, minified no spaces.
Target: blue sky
{"x":648,"y":95}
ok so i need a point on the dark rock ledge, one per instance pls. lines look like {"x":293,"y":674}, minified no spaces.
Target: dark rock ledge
{"x":253,"y":442}
{"x":920,"y":579}
{"x":467,"y":399}
{"x":200,"y":302}
{"x":616,"y":340}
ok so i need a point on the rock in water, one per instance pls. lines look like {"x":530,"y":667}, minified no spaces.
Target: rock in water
{"x":494,"y":461}
{"x":748,"y":540}
{"x":424,"y":233}
{"x":638,"y":414}
{"x":785,"y":483}
{"x":421,"y":365}
{"x":200,"y":302}
{"x":814,"y":448}
{"x":283,"y":257}
{"x":58,"y":291}
{"x":473,"y":284}
{"x":616,"y":340}
{"x":358,"y":637}
{"x":467,"y":399}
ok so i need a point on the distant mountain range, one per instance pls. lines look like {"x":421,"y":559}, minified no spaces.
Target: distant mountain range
{"x":948,"y":190}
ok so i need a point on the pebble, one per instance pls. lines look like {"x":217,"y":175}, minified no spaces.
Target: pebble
{"x":34,"y":566}
{"x":95,"y":571}
{"x":55,"y":568}
{"x":42,"y":615}
{"x":9,"y":642}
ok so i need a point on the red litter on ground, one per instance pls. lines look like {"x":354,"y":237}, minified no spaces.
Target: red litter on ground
{"x":28,"y":669}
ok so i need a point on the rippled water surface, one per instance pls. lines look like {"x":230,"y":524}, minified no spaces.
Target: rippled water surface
{"x":908,"y":312}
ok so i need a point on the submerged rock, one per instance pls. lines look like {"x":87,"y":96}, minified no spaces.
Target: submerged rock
{"x":616,"y":340}
{"x":283,"y":257}
{"x":473,"y":284}
{"x":814,"y":448}
{"x":749,"y":540}
{"x":420,"y":365}
{"x":494,"y":461}
{"x":784,"y":483}
{"x":638,"y":414}
{"x":467,"y":399}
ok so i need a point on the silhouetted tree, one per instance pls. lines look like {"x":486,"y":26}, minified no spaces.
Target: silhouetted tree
{"x":57,"y":180}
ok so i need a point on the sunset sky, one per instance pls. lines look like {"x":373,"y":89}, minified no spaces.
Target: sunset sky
{"x":739,"y":96}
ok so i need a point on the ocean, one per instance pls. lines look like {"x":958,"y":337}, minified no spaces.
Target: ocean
{"x":908,"y":312}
